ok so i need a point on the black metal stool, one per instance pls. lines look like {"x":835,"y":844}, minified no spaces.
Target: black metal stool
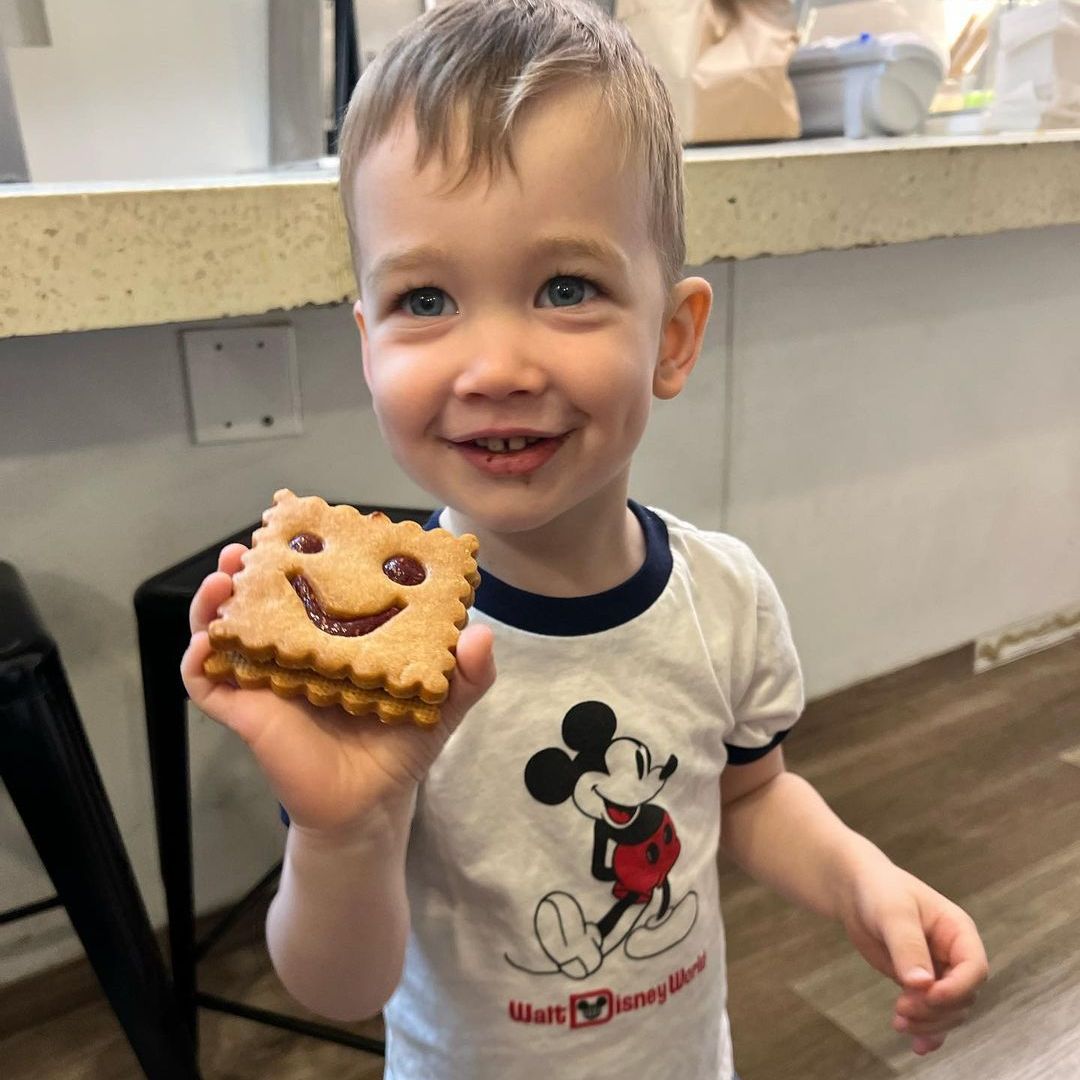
{"x":161,"y":608}
{"x":50,"y":772}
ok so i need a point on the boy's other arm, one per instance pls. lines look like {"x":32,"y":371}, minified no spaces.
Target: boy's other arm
{"x":780,"y":831}
{"x":778,"y":828}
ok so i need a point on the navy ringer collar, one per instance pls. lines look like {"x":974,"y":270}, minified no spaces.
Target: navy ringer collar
{"x":559,"y":616}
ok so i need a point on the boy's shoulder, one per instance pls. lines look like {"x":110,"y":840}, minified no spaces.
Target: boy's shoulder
{"x":721,"y":575}
{"x":726,"y":584}
{"x":710,"y":547}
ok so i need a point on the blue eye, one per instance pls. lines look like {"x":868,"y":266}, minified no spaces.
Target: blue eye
{"x":426,"y":302}
{"x":565,"y":291}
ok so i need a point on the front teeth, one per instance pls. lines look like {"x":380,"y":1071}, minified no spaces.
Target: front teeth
{"x":500,"y":446}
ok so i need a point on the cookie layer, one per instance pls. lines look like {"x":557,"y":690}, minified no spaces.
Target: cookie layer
{"x":290,"y":682}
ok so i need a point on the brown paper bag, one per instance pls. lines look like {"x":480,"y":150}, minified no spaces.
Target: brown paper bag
{"x":724,"y":63}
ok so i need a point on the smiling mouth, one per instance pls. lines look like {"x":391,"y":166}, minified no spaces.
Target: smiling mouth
{"x":510,"y":458}
{"x":511,"y":444}
{"x":620,"y":815}
{"x":338,"y":626}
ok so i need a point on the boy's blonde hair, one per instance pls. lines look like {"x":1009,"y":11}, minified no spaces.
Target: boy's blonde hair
{"x":470,"y":66}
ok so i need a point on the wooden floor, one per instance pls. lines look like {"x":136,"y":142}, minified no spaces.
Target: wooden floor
{"x":972,"y":783}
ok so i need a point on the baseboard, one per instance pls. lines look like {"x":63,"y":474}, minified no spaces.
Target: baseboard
{"x":1026,"y":637}
{"x":55,"y":991}
{"x":41,"y":997}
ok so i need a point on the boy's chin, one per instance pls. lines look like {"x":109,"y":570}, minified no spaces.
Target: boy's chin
{"x":506,"y":513}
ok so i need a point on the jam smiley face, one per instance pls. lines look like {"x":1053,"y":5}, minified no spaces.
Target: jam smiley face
{"x":352,"y":597}
{"x":403,"y":569}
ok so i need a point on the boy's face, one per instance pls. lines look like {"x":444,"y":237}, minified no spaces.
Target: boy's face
{"x":526,"y":307}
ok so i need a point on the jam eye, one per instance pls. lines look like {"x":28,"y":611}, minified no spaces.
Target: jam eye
{"x":404,"y":569}
{"x":306,"y":544}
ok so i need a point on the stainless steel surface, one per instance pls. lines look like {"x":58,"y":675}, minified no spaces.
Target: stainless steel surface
{"x":23,"y":22}
{"x":301,"y":66}
{"x":377,"y":21}
{"x":13,"y":166}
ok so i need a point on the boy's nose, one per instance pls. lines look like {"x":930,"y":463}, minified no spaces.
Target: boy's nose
{"x":498,"y":365}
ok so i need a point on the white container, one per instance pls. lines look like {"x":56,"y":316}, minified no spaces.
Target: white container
{"x":825,"y":19}
{"x":1040,"y":45}
{"x":1038,"y":68}
{"x":866,"y":85}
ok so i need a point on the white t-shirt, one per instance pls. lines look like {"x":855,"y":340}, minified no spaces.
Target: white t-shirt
{"x":562,"y":865}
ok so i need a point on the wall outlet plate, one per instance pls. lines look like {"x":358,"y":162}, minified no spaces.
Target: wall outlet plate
{"x":243,"y":383}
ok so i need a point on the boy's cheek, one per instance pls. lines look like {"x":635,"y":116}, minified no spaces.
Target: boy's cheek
{"x":401,"y":404}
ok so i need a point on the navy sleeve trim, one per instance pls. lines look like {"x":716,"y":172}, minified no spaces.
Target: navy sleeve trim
{"x":743,"y":755}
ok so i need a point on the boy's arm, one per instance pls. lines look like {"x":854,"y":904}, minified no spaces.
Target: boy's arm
{"x":782,"y":832}
{"x":337,"y":927}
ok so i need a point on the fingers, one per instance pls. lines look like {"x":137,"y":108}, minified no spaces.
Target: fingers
{"x":223,"y":701}
{"x":211,"y":594}
{"x":474,"y":675}
{"x":928,"y":1035}
{"x":204,"y":692}
{"x":230,"y":558}
{"x":950,"y":947}
{"x":920,"y":1007}
{"x":967,"y":966}
{"x":928,"y":1012}
{"x":938,"y":1024}
{"x":940,"y":967}
{"x":957,"y":986}
{"x":908,"y":948}
{"x":475,"y":667}
{"x":917,"y":1016}
{"x":927,"y":1044}
{"x":216,"y":588}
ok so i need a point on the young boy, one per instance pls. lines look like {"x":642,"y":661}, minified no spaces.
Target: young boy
{"x":531,"y":890}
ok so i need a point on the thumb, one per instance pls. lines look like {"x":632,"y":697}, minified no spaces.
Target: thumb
{"x":475,"y":670}
{"x":909,"y":952}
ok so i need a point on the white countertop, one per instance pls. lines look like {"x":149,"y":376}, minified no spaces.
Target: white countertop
{"x":80,"y":256}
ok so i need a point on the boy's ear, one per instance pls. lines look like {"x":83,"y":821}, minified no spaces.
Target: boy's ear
{"x":358,"y":315}
{"x":689,"y":304}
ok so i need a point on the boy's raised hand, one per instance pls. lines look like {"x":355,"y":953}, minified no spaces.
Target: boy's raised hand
{"x":926,"y":944}
{"x":328,"y":768}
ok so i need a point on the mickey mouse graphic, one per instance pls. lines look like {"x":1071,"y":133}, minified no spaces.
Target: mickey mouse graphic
{"x":612,"y":781}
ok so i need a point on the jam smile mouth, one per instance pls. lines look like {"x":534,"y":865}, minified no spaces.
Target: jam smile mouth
{"x":338,"y":626}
